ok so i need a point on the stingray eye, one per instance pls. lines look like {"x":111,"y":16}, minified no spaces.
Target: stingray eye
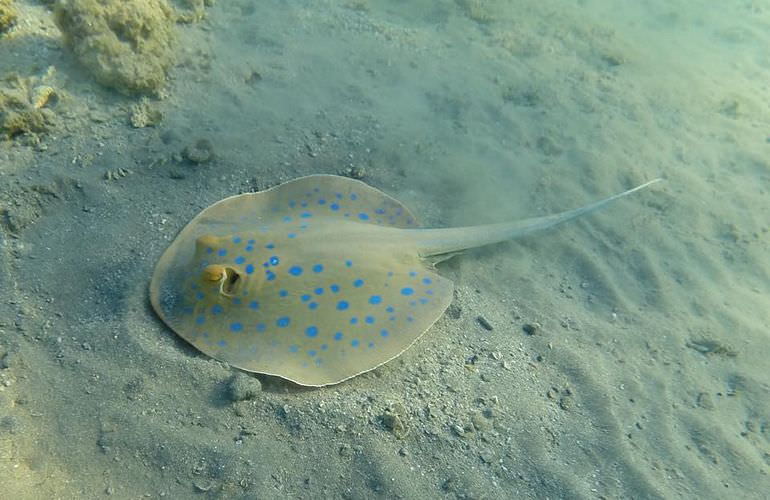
{"x":227,"y":277}
{"x":214,"y":273}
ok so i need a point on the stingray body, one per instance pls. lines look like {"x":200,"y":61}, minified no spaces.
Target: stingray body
{"x":315,"y":280}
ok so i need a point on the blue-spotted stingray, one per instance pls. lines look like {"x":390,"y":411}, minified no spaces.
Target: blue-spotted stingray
{"x":316,"y":280}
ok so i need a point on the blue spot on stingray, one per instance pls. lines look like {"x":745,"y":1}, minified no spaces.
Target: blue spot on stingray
{"x":249,"y":248}
{"x":283,"y":293}
{"x":412,"y":273}
{"x":216,"y":309}
{"x":236,"y":327}
{"x":363,"y":216}
{"x":270,"y":275}
{"x":311,"y":331}
{"x":338,"y":336}
{"x":389,"y":309}
{"x":369,"y":320}
{"x":407,"y":290}
{"x":353,"y":320}
{"x":375,"y":299}
{"x":236,"y":239}
{"x":311,"y":353}
{"x":283,"y":321}
{"x":324,"y":347}
{"x":293,"y":348}
{"x":261,"y":327}
{"x":423,"y":300}
{"x":209,"y":250}
{"x":354,"y":342}
{"x":295,"y":270}
{"x":287,"y":218}
{"x":270,"y":246}
{"x":254,"y":305}
{"x":384,"y":333}
{"x":358,"y":283}
{"x":318,"y":268}
{"x":313,"y":306}
{"x":305,"y":215}
{"x":338,"y":196}
{"x":334,"y":206}
{"x":319,"y":291}
{"x":380,"y":211}
{"x":353,"y":196}
{"x":390,"y":274}
{"x":305,"y":297}
{"x":291,"y":235}
{"x":322,"y":202}
{"x":222,"y":343}
{"x":249,"y":268}
{"x":292,"y":204}
{"x":251,"y":242}
{"x":429,"y":292}
{"x":200,"y":295}
{"x":334,"y":288}
{"x":370,"y":345}
{"x":274,"y":260}
{"x":427,"y":281}
{"x":200,"y":320}
{"x":349,"y":263}
{"x":342,"y":305}
{"x":222,"y":252}
{"x":237,"y":301}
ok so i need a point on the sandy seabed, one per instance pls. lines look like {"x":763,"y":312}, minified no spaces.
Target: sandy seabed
{"x":624,"y":355}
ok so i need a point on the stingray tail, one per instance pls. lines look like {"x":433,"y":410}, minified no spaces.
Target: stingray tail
{"x":437,"y":242}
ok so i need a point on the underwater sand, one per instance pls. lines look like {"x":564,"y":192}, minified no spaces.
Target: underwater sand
{"x":624,"y":355}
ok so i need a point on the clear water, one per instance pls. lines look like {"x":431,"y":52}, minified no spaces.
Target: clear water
{"x":622,"y":356}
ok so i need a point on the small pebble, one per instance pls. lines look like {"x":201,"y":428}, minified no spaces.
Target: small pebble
{"x":484,"y":323}
{"x":243,"y":387}
{"x":454,"y":311}
{"x":199,"y":152}
{"x":531,"y":328}
{"x":487,"y":456}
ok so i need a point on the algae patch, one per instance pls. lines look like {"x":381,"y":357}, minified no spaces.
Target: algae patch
{"x":7,"y":15}
{"x":26,"y":104}
{"x":127,"y":46}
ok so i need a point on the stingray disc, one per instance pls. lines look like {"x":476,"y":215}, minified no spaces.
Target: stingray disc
{"x":313,"y":281}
